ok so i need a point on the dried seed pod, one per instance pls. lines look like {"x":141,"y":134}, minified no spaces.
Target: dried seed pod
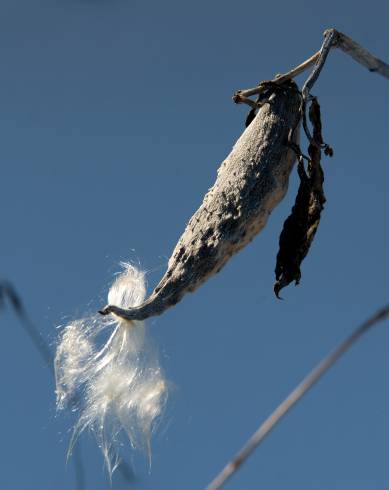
{"x":250,"y":182}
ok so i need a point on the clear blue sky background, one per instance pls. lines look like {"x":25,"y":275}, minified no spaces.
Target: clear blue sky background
{"x":114,"y":116}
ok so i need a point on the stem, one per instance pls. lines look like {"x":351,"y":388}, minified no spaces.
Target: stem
{"x":293,"y":398}
{"x":298,"y":69}
{"x":361,"y":55}
{"x":332,"y":39}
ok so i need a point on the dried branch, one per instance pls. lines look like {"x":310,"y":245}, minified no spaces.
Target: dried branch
{"x":332,"y":39}
{"x":361,"y":55}
{"x":328,"y":43}
{"x":294,"y":397}
{"x":298,"y":69}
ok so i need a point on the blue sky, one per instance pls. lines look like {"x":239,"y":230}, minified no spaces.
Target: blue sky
{"x":114,"y":116}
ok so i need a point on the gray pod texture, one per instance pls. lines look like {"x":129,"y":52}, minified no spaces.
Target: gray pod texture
{"x":250,"y":182}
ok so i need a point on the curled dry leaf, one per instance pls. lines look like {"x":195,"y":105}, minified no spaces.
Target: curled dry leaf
{"x":250,"y":117}
{"x":300,"y":227}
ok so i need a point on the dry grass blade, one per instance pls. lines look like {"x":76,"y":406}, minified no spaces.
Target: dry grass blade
{"x":7,"y":291}
{"x":293,"y":398}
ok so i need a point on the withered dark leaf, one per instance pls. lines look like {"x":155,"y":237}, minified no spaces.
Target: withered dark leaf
{"x":250,"y":117}
{"x":300,"y":227}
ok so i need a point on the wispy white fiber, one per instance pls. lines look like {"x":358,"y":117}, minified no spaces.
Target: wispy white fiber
{"x":118,"y":386}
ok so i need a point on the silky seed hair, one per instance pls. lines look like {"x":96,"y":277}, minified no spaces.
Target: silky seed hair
{"x":115,"y":388}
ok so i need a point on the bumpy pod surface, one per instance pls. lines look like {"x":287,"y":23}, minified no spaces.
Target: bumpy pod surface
{"x":250,"y":182}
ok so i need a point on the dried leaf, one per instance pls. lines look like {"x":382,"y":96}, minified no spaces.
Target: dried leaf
{"x":250,"y":117}
{"x":300,"y":227}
